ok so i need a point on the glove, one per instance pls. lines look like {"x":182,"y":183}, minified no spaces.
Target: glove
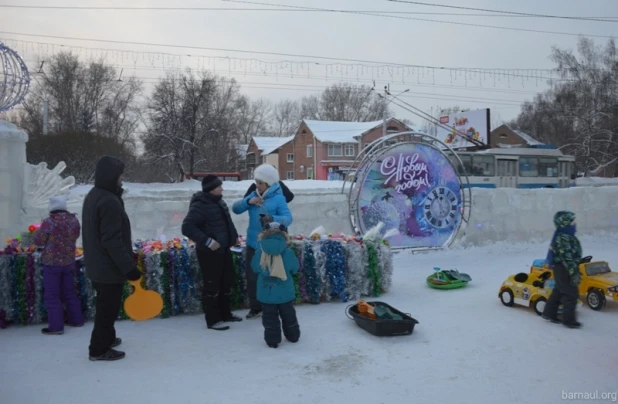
{"x":212,"y":244}
{"x":265,"y":219}
{"x":134,"y":274}
{"x":576,"y":279}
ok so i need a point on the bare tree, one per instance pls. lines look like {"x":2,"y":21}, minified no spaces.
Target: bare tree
{"x":252,"y":118}
{"x":83,"y":98}
{"x":192,"y":123}
{"x":344,"y":102}
{"x":579,"y":113}
{"x":285,"y":118}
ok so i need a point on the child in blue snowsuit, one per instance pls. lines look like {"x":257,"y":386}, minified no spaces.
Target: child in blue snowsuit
{"x":275,"y":264}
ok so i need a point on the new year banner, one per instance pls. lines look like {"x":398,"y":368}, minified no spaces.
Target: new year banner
{"x":414,"y":189}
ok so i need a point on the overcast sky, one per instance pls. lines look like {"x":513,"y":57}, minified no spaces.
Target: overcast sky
{"x":413,"y":54}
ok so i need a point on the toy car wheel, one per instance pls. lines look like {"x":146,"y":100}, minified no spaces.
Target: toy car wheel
{"x":506,"y":297}
{"x":596,"y":300}
{"x":539,"y":305}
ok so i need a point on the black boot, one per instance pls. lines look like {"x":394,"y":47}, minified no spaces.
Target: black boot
{"x":110,"y":355}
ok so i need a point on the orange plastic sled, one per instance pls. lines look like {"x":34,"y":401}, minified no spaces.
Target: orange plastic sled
{"x":142,"y":304}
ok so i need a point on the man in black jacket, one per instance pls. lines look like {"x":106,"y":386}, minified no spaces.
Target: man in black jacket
{"x":108,"y":254}
{"x":210,"y":226}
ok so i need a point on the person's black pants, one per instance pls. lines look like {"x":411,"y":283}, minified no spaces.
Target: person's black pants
{"x":272,"y":326}
{"x":109,"y":299}
{"x":218,"y":274}
{"x":564,"y":292}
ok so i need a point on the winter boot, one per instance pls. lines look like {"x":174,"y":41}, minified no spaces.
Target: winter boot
{"x":220,"y":326}
{"x":110,"y":355}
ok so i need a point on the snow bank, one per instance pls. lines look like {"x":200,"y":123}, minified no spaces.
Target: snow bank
{"x":496,"y":215}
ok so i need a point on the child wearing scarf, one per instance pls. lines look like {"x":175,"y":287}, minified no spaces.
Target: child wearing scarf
{"x":564,"y":256}
{"x":275,"y":264}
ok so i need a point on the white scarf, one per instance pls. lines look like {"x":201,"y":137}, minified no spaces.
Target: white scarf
{"x":274,"y":264}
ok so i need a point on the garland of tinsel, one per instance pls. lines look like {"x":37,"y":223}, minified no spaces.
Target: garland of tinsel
{"x":30,"y":289}
{"x":172,"y":282}
{"x":154,"y":272}
{"x":385,"y":258}
{"x":320,"y":264}
{"x":86,"y":295}
{"x":328,"y":268}
{"x":237,"y":297}
{"x":335,"y":265}
{"x":373,"y":270}
{"x":165,"y":281}
{"x":198,"y":282}
{"x":356,"y":275}
{"x":183,"y":280}
{"x":40,"y":311}
{"x":19,"y":290}
{"x":311,"y":274}
{"x":6,"y":282}
{"x":298,"y":275}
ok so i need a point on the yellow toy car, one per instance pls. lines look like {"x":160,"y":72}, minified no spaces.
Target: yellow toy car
{"x":526,"y":290}
{"x":597,"y":281}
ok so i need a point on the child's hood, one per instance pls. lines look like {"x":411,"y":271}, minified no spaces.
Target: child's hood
{"x":274,"y":244}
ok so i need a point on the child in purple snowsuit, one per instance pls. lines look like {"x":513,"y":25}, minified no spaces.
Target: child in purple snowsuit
{"x":58,"y":235}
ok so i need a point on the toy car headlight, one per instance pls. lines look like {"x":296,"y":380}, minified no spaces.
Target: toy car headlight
{"x":613,"y":289}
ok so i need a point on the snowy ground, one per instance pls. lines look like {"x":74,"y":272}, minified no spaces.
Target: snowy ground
{"x":468,"y":348}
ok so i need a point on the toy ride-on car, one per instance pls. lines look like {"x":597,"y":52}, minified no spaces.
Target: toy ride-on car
{"x":598,"y":282}
{"x":526,"y":290}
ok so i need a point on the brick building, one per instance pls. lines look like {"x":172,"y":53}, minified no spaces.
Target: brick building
{"x":503,"y":135}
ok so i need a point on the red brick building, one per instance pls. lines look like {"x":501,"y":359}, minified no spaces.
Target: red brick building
{"x":323,"y":150}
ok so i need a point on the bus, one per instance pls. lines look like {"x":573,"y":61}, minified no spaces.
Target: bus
{"x":232,"y":176}
{"x":517,"y":167}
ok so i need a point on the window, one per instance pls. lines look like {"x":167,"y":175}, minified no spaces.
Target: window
{"x":290,"y":175}
{"x":467,"y":164}
{"x":290,"y":157}
{"x":309,"y":150}
{"x":334,"y":150}
{"x":548,"y":167}
{"x":310,"y":173}
{"x":263,"y":159}
{"x":503,"y":136}
{"x":392,"y":129}
{"x":528,"y":167}
{"x":349,"y":150}
{"x":483,"y":166}
{"x":250,"y":160}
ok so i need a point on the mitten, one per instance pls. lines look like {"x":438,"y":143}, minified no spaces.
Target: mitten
{"x":134,"y":274}
{"x":212,"y":244}
{"x":265,"y":219}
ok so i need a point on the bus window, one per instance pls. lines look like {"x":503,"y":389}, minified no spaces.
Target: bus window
{"x":548,"y":167}
{"x":467,"y":164}
{"x":528,"y":167}
{"x":483,"y":166}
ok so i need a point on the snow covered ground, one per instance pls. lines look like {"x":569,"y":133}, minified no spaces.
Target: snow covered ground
{"x":468,"y":348}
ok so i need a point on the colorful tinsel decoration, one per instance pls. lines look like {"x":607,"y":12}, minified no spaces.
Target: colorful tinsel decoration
{"x":329,"y":268}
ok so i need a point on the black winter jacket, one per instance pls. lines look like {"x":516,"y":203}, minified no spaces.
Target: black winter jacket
{"x":289,"y":196}
{"x":106,"y":229}
{"x":209,"y":217}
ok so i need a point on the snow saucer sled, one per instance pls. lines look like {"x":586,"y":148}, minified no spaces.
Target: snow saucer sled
{"x":447,"y":279}
{"x":380,"y":319}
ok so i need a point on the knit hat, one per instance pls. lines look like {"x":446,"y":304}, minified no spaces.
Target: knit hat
{"x":58,"y":203}
{"x":210,"y":182}
{"x":563,"y":219}
{"x":266,"y":173}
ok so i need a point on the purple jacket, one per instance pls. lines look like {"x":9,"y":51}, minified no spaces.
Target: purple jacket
{"x":58,"y":236}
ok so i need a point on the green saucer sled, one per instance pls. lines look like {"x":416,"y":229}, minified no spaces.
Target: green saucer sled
{"x":450,"y":279}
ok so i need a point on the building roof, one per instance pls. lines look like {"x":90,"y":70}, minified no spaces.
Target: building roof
{"x":526,"y":137}
{"x":339,"y":132}
{"x":268,"y":144}
{"x":241,"y":149}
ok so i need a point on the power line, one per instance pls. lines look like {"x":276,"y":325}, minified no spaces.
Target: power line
{"x":502,"y":11}
{"x":427,"y":20}
{"x":135,"y":8}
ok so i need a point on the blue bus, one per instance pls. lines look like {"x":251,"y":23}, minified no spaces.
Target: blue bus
{"x":518,"y":167}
